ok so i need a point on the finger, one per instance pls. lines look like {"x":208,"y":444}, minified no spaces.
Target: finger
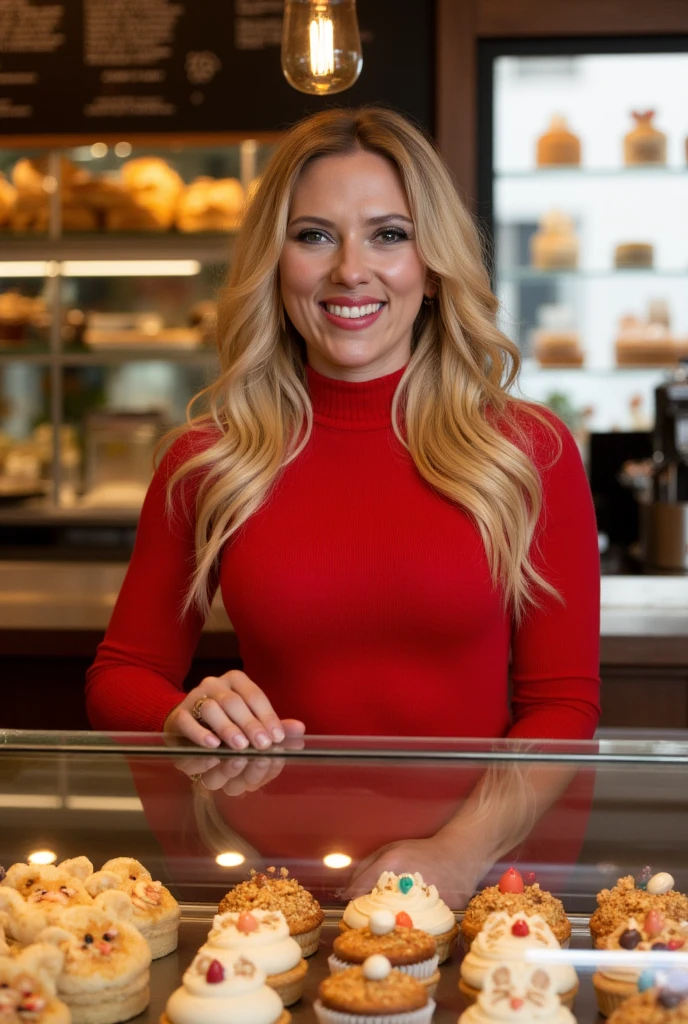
{"x":238,"y":711}
{"x":185,"y":724}
{"x":196,"y":765}
{"x":216,"y":713}
{"x":259,"y":705}
{"x":293,"y":728}
{"x":229,"y":768}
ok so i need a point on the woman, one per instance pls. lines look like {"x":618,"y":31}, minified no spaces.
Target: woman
{"x":386,"y":523}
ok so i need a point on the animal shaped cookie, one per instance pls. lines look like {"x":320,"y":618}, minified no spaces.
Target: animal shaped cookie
{"x":106,"y":972}
{"x":156,"y":911}
{"x":60,"y":885}
{"x":28,"y":987}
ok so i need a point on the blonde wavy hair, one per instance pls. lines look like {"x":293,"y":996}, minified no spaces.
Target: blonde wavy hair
{"x":452,"y":402}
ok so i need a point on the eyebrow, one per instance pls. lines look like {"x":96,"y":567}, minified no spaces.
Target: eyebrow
{"x":371,"y":222}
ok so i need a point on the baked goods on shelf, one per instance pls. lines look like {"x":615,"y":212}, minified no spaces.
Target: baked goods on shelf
{"x":106,"y":971}
{"x":558,"y":147}
{"x":617,"y":982}
{"x":28,"y":986}
{"x":230,"y":993}
{"x":514,"y":938}
{"x":19,"y":314}
{"x":632,"y":897}
{"x":156,"y":912}
{"x":630,"y":255}
{"x":372,"y":992}
{"x":514,"y":893}
{"x":262,"y":936}
{"x":154,"y":189}
{"x":644,"y":342}
{"x":665,"y":1002}
{"x":33,"y":896}
{"x":556,"y":341}
{"x":8,"y":198}
{"x":211,"y":204}
{"x":554,"y":246}
{"x":407,"y":893}
{"x":273,"y":890}
{"x":407,"y":948}
{"x":516,"y":992}
{"x":644,"y":144}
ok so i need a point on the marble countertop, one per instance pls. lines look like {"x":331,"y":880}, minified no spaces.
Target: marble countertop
{"x":81,"y":595}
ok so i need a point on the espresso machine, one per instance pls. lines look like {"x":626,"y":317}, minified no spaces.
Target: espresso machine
{"x":664,"y":518}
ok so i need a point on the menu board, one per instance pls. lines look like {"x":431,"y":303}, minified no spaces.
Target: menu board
{"x":135,"y":66}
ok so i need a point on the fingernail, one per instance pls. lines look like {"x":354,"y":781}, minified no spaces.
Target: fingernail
{"x":277,"y":735}
{"x":238,"y":763}
{"x":211,"y":741}
{"x":240,"y":741}
{"x":262,"y":740}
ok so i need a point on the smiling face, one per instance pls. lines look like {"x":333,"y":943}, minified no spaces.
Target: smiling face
{"x":352,"y":281}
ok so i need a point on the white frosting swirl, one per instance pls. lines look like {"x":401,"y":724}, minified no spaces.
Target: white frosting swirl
{"x":242,"y":997}
{"x":514,"y":993}
{"x":476,"y":1014}
{"x":422,"y":903}
{"x":269,"y":946}
{"x":497,"y":943}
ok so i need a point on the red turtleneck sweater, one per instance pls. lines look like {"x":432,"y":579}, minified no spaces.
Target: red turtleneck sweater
{"x":362,"y":599}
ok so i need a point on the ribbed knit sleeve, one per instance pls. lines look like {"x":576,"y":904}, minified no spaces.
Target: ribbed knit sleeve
{"x":140,"y":667}
{"x":555,"y":650}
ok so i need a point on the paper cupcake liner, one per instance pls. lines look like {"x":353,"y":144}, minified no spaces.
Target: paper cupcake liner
{"x":327,"y":1016}
{"x":309,"y":941}
{"x":608,"y":1001}
{"x":422,"y":971}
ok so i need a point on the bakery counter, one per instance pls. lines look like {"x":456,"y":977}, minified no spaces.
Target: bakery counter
{"x":58,"y":612}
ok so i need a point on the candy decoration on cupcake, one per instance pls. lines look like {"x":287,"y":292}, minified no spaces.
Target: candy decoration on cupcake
{"x":673,"y":989}
{"x":654,"y":922}
{"x":215,"y":973}
{"x":643,"y":878}
{"x":382,"y":922}
{"x":630,"y":938}
{"x":660,"y":883}
{"x":646,"y":980}
{"x":247,"y":922}
{"x":376,"y":967}
{"x":403,"y":920}
{"x":520,"y":929}
{"x":511,"y":881}
{"x":405,"y":884}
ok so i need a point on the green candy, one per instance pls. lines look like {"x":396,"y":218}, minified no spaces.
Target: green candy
{"x":405,"y":884}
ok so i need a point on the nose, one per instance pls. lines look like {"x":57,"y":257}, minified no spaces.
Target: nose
{"x":351,"y":265}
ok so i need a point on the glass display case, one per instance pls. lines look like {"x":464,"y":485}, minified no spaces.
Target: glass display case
{"x":572,"y":818}
{"x":584,"y":187}
{"x":111,"y":255}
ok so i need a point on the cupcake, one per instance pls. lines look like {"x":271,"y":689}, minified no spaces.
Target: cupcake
{"x":616,"y":982}
{"x":666,"y":1002}
{"x":261,"y":936}
{"x":373,"y":992}
{"x":156,"y":911}
{"x":106,"y":972}
{"x":28,"y":987}
{"x":302,"y":911}
{"x":634,"y":898}
{"x":518,"y":993}
{"x":231,"y":993}
{"x":408,"y":949}
{"x":407,"y":893}
{"x":513,"y":895}
{"x":513,"y":938}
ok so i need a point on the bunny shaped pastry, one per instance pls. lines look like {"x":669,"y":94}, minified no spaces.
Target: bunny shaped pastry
{"x":518,"y":992}
{"x":27,"y":987}
{"x":107,"y":961}
{"x":60,"y":885}
{"x":156,"y":911}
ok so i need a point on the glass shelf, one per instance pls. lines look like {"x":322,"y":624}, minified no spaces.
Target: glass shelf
{"x":652,"y":172}
{"x":535,"y":274}
{"x":193,"y":357}
{"x":205,"y":248}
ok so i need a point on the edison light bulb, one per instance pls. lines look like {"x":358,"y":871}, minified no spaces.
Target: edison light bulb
{"x":321,"y":45}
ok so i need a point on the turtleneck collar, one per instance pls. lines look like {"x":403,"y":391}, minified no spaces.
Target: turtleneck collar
{"x":349,"y":405}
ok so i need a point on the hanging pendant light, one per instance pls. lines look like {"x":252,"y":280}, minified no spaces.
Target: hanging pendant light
{"x":321,"y":45}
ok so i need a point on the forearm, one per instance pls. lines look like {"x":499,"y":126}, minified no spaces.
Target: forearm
{"x":127,"y":698}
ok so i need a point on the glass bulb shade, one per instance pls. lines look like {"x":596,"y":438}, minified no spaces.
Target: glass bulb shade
{"x":42,"y":857}
{"x":337,"y":860}
{"x":231,"y":859}
{"x":321,"y":45}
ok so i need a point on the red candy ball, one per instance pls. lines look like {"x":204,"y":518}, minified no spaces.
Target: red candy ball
{"x":511,"y":881}
{"x":520,"y":929}
{"x":216,"y":973}
{"x":247,"y":922}
{"x":676,"y":944}
{"x":654,"y":922}
{"x":529,"y":877}
{"x":403,"y":920}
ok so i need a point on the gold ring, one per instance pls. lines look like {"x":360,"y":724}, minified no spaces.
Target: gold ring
{"x":196,"y":778}
{"x":198,"y":707}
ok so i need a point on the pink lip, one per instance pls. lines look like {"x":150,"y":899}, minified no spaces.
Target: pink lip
{"x":347,"y":300}
{"x":346,"y":323}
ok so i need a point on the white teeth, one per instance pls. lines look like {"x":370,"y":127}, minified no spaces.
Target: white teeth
{"x":354,"y":312}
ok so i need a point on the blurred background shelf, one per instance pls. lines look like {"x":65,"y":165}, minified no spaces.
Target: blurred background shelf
{"x":560,"y":173}
{"x":205,"y":248}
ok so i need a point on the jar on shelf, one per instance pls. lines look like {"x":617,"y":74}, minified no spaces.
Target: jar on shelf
{"x":554,"y":246}
{"x":558,"y":147}
{"x":644,"y":144}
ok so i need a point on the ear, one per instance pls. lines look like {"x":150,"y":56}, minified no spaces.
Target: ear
{"x":432,"y":286}
{"x":79,"y":867}
{"x":126,"y":866}
{"x":116,"y":903}
{"x":10,"y":902}
{"x":18,"y":874}
{"x":102,"y":881}
{"x":44,"y":956}
{"x":54,"y":935}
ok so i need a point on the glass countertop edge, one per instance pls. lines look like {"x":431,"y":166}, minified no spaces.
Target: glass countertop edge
{"x":642,"y":748}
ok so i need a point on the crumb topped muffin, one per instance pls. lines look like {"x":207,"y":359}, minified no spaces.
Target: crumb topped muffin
{"x":513,"y":895}
{"x":276,"y":891}
{"x":666,"y":1003}
{"x":408,"y":949}
{"x":373,"y":990}
{"x":635,"y":898}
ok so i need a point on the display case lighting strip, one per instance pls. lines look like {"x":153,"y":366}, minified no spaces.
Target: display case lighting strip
{"x":99,"y":268}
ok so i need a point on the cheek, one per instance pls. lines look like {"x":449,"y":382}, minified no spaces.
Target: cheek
{"x":406,"y":276}
{"x":299,"y":276}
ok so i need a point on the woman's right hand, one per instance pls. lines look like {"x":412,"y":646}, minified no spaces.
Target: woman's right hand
{"x":235,"y":712}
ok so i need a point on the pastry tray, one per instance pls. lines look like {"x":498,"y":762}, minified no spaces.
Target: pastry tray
{"x":196,"y":922}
